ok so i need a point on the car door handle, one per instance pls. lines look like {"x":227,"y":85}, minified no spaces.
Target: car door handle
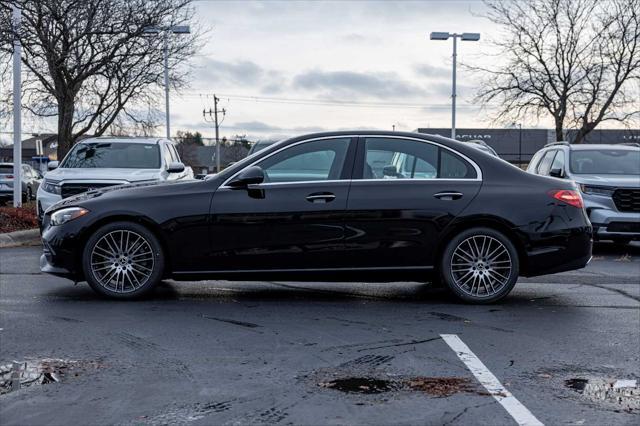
{"x":448,"y":195}
{"x":321,"y":197}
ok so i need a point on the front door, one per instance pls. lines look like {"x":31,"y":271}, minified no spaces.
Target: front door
{"x":403,"y":194}
{"x":294,"y":219}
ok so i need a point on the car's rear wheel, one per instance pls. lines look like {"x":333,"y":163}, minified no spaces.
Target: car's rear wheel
{"x":123,"y":260}
{"x":480,"y":265}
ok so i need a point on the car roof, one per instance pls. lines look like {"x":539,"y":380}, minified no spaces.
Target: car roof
{"x":127,"y":139}
{"x":580,"y":147}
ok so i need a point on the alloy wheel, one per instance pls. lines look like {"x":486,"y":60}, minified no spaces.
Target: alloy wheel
{"x":481,"y":266}
{"x":122,"y":261}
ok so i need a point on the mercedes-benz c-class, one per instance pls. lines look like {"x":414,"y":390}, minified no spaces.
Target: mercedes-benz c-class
{"x":365,"y":206}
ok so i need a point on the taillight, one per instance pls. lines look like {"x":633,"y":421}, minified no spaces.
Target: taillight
{"x":568,"y":196}
{"x":8,"y":176}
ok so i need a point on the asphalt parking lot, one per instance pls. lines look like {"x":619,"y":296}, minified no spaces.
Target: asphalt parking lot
{"x":217,"y":352}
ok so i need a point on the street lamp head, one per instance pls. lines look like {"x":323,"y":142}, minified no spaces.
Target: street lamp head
{"x":439,"y":36}
{"x":470,"y":36}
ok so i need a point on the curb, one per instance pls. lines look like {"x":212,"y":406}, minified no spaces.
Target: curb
{"x":20,"y":238}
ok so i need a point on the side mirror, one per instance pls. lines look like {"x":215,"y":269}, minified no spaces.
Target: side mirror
{"x":53,"y":165}
{"x":390,"y":171}
{"x":175,"y":167}
{"x":556,"y":173}
{"x":249,"y":176}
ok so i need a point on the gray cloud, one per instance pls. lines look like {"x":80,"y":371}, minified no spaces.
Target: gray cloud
{"x":239,"y":73}
{"x":341,"y":83}
{"x":432,"y":71}
{"x":261,"y":127}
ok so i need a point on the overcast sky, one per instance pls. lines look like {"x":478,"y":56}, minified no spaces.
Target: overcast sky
{"x":280,"y":67}
{"x":376,"y":54}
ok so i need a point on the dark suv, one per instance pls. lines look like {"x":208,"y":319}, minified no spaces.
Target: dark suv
{"x":609,"y":178}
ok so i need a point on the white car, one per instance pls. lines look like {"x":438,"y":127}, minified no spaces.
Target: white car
{"x":106,"y":161}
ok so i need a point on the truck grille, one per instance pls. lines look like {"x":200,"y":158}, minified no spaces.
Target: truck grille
{"x":70,"y":189}
{"x":627,"y":200}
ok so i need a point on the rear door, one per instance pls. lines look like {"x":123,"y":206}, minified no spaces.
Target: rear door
{"x":394,"y":217}
{"x":293,"y":220}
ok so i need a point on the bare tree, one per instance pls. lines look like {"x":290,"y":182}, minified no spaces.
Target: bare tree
{"x":94,"y":63}
{"x":575,"y":60}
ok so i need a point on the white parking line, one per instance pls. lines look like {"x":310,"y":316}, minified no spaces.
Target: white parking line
{"x":519,"y":412}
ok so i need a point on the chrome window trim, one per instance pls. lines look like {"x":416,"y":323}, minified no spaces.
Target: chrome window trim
{"x":224,"y":185}
{"x":470,"y":161}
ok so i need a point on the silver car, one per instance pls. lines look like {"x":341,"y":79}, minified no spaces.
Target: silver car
{"x":30,"y":179}
{"x":609,"y":178}
{"x":107,"y":161}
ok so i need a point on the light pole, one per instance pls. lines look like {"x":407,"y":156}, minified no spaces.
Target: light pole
{"x":455,"y":36}
{"x":17,"y":117}
{"x":176,"y":29}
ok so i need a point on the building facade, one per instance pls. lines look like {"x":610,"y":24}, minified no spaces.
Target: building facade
{"x":518,"y":145}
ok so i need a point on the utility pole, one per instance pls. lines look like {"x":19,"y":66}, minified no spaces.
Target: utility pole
{"x":17,"y":117}
{"x":213,"y":118}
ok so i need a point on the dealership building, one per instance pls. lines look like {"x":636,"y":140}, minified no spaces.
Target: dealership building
{"x":518,"y":145}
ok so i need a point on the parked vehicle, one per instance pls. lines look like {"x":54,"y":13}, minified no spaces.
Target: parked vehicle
{"x":259,"y":146}
{"x":311,"y":208}
{"x":108,"y":161}
{"x":609,"y":179}
{"x":30,"y":180}
{"x":483,"y":146}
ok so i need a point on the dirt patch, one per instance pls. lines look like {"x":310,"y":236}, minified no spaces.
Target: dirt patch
{"x":18,"y":375}
{"x":441,"y":386}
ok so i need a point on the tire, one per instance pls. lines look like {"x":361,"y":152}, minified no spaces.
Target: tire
{"x":123,"y":260}
{"x":477,"y":273}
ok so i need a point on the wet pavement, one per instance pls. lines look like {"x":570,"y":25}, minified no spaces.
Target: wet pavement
{"x":567,"y":346}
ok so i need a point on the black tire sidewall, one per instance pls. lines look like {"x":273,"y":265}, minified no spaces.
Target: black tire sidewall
{"x":448,"y":280}
{"x":158,"y":265}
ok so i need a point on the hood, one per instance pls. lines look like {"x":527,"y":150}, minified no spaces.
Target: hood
{"x":77,"y":199}
{"x":103,"y":174}
{"x":617,"y":181}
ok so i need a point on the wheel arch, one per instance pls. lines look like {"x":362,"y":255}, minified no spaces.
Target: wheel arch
{"x":491,"y":222}
{"x":149,"y":224}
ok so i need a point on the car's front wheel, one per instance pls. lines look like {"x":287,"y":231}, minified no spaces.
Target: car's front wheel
{"x":480,"y":265}
{"x":123,"y":260}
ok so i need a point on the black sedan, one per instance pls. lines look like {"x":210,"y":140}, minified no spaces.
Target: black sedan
{"x":366,"y":206}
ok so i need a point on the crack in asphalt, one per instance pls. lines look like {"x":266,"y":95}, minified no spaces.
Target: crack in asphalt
{"x":234,"y":322}
{"x":615,"y":290}
{"x":412,"y":342}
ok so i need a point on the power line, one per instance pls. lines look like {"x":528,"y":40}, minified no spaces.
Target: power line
{"x":327,"y":102}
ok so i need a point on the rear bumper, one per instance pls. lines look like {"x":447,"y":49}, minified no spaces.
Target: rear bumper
{"x":563,"y":251}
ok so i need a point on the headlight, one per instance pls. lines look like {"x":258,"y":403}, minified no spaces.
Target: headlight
{"x":65,"y":215}
{"x":596,"y":190}
{"x":50,"y":187}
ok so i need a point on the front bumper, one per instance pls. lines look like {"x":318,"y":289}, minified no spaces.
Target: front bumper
{"x":62,"y":248}
{"x":611,"y":225}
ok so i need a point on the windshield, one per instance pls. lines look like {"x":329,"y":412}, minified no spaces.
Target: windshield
{"x":606,"y":162}
{"x":120,"y":155}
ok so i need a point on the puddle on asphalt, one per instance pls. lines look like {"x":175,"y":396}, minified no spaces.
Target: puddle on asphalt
{"x":623,"y":393}
{"x":439,"y":387}
{"x":364,"y":385}
{"x":17,"y":375}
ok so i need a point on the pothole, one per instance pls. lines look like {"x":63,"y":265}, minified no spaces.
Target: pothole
{"x":16,"y":375}
{"x":623,"y":393}
{"x":438,"y":387}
